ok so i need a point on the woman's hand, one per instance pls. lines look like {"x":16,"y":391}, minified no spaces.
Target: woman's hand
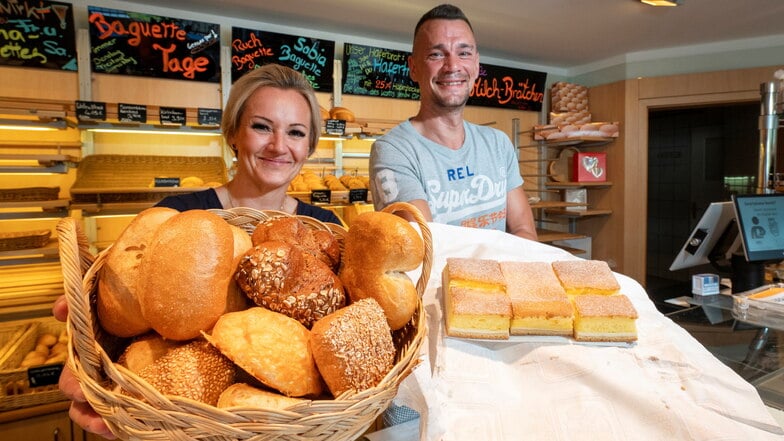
{"x":81,"y":412}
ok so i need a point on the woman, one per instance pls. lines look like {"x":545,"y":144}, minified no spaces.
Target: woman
{"x":272,"y":122}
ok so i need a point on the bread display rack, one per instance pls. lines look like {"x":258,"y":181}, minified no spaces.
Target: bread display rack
{"x":143,"y":413}
{"x":105,"y":180}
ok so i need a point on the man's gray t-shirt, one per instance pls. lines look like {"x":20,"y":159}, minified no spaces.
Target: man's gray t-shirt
{"x":465,"y":187}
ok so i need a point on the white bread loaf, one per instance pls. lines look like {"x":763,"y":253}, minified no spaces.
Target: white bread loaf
{"x":118,"y":309}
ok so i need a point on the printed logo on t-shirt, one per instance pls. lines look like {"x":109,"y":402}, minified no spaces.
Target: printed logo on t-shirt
{"x":480,"y":195}
{"x":385,"y":181}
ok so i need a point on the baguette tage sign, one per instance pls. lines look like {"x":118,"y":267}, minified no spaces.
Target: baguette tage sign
{"x":138,"y":44}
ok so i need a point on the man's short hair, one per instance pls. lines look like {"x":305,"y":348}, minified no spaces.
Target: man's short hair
{"x":442,"y":12}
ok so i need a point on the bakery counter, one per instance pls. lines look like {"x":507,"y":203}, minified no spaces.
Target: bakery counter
{"x":666,"y":385}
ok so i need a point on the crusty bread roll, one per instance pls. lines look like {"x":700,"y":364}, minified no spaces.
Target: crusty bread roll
{"x":353,"y":347}
{"x":320,"y":243}
{"x":273,"y":348}
{"x":145,"y":350}
{"x":379,"y":248}
{"x":119,"y":312}
{"x":342,"y":113}
{"x":194,"y":370}
{"x":284,"y":278}
{"x":324,"y":113}
{"x":245,"y":395}
{"x":188,"y":268}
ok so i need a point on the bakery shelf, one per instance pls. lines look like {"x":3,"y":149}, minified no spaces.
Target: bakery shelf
{"x":548,"y":236}
{"x":570,"y":185}
{"x":28,"y":255}
{"x":583,"y":141}
{"x":27,"y":164}
{"x":578,"y":214}
{"x":555,"y":204}
{"x":24,"y":209}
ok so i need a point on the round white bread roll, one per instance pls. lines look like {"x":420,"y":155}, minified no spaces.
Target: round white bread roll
{"x":119,"y":312}
{"x":245,"y":395}
{"x":188,"y":269}
{"x":379,"y":248}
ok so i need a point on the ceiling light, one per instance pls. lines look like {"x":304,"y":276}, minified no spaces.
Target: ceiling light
{"x":662,"y":2}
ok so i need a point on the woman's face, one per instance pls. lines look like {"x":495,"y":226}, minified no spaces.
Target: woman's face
{"x":272,"y":137}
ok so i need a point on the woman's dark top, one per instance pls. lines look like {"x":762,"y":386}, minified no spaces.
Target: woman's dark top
{"x":208,"y":199}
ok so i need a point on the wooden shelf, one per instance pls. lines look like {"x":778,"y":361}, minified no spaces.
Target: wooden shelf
{"x":555,"y":204}
{"x":569,"y":185}
{"x":583,"y":141}
{"x":548,"y":236}
{"x":578,"y":214}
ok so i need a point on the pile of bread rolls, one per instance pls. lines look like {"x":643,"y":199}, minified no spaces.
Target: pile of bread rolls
{"x":309,"y":181}
{"x":269,"y":319}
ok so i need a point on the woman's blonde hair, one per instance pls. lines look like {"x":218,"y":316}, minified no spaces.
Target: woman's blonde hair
{"x":269,"y":75}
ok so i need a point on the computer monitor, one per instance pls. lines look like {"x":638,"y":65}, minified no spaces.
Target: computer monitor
{"x":760,"y":221}
{"x":713,"y":240}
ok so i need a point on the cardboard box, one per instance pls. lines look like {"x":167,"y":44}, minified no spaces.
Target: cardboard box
{"x":589,"y":167}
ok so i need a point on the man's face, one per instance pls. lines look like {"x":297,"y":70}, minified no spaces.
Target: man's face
{"x":445,"y":62}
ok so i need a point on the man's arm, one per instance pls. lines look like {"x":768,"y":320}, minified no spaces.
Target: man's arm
{"x":519,"y":217}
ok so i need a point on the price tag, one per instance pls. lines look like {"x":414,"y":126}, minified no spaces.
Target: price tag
{"x":336,"y":127}
{"x":320,"y":196}
{"x":91,"y":111}
{"x":172,"y":115}
{"x":167,"y":182}
{"x":44,"y":375}
{"x":209,"y":117}
{"x":357,"y":195}
{"x":133,"y":113}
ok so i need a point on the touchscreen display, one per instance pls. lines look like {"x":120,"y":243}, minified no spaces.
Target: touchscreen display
{"x":761,"y":223}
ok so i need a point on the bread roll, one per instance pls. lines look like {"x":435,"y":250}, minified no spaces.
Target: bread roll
{"x":379,"y":248}
{"x":320,"y":243}
{"x":195,"y":370}
{"x":145,"y":350}
{"x":119,"y":312}
{"x":353,"y":347}
{"x":244,"y":395}
{"x":342,"y":113}
{"x":188,"y":268}
{"x":273,"y":348}
{"x":283,"y":278}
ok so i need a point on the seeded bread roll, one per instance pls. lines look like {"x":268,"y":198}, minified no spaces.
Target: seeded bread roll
{"x":320,"y":243}
{"x":188,"y":269}
{"x":379,"y":248}
{"x":195,"y":370}
{"x":283,"y":278}
{"x":353,"y":347}
{"x":119,"y":312}
{"x":273,"y":348}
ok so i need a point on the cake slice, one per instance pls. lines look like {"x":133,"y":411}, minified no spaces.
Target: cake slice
{"x":604,"y":318}
{"x":586,"y":277}
{"x":539,"y":302}
{"x":476,"y":303}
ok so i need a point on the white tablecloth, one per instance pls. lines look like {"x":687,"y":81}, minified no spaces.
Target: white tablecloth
{"x":667,"y":386}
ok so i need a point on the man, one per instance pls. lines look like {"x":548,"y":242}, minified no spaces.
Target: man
{"x":455,"y":172}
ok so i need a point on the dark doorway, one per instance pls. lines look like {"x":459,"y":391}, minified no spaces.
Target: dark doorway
{"x":695,"y":156}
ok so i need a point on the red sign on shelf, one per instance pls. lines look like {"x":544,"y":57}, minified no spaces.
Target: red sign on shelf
{"x":590,"y":167}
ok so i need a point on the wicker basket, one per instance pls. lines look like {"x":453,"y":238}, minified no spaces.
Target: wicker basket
{"x":22,"y":240}
{"x":29,"y":194}
{"x":155,"y":416}
{"x":126,"y":178}
{"x":17,"y":392}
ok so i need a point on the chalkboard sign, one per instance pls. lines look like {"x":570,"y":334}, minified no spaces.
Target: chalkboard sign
{"x":320,"y":196}
{"x":132,"y":113}
{"x":131,"y":43}
{"x":208,"y":117}
{"x":310,"y":56}
{"x":375,"y":71}
{"x":90,"y":111}
{"x":172,"y":115}
{"x":166,"y":182}
{"x":45,"y":375}
{"x":335,"y":127}
{"x":509,"y":88}
{"x":37,"y":34}
{"x":357,"y":195}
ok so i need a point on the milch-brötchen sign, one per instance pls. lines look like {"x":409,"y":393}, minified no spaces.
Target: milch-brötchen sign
{"x":309,"y":56}
{"x":132,"y":43}
{"x":499,"y":86}
{"x":37,"y":33}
